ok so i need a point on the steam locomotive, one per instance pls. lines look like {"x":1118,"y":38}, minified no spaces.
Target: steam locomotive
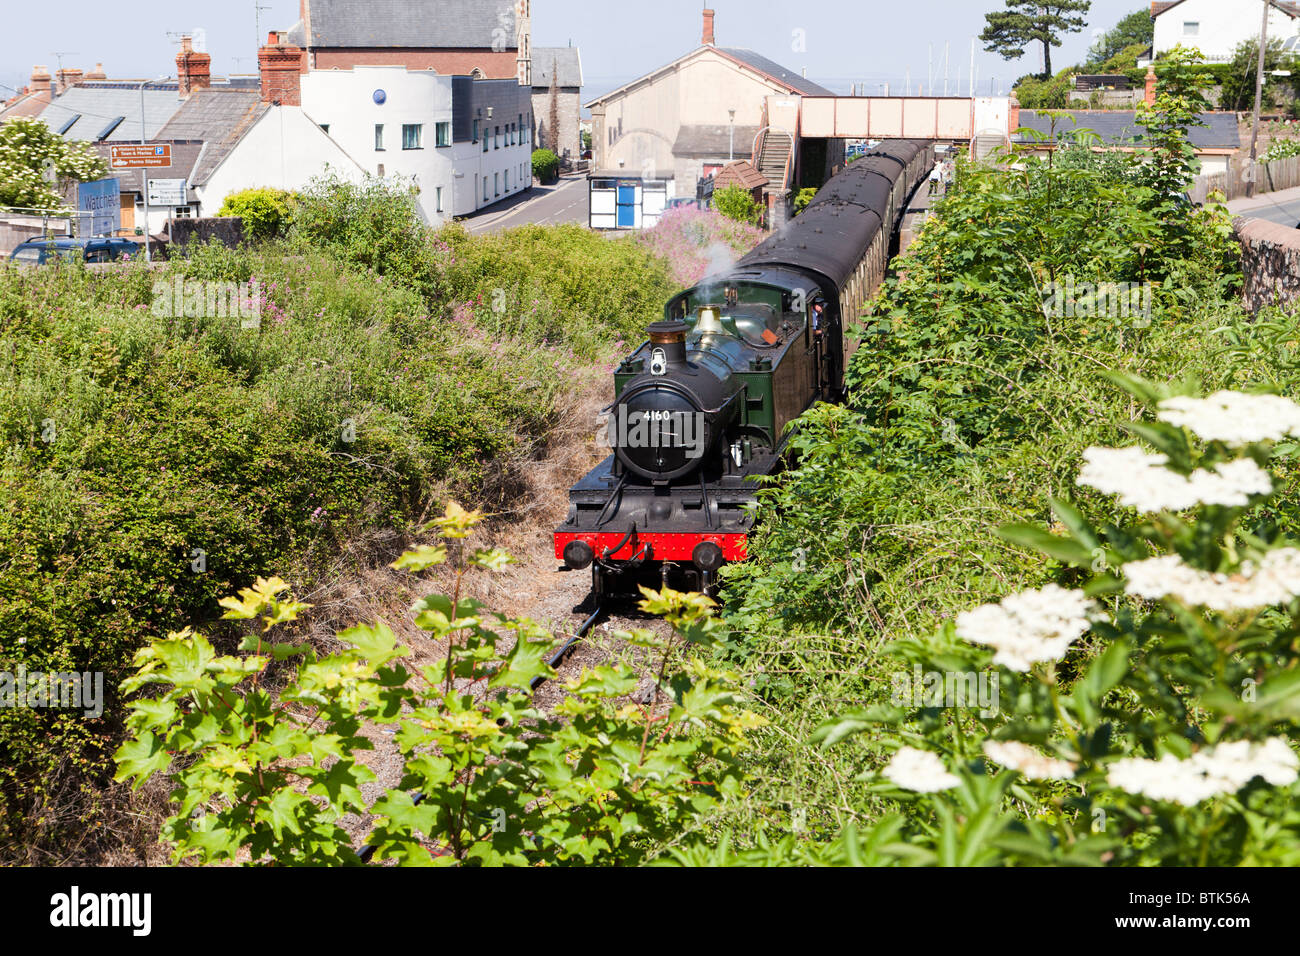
{"x":701,"y":409}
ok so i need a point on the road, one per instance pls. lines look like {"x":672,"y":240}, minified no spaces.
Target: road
{"x":1281,"y":207}
{"x":564,"y":202}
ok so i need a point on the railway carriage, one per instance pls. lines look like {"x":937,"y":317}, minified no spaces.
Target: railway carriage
{"x":701,"y":409}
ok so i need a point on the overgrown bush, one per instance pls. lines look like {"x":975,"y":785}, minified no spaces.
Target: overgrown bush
{"x":267,"y":213}
{"x":153,"y":463}
{"x":491,"y":779}
{"x":738,"y":204}
{"x":546,"y":166}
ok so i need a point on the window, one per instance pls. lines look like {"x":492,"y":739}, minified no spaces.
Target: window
{"x":379,"y":136}
{"x":444,"y":134}
{"x":507,"y":174}
{"x":325,"y":128}
{"x":497,"y":137}
{"x":487,"y":141}
{"x":183,"y":212}
{"x":1191,"y":28}
{"x":485,"y":189}
{"x":381,"y":170}
{"x":496,"y":182}
{"x":439,"y":199}
{"x":413,"y":136}
{"x":475,"y":137}
{"x":107,"y":131}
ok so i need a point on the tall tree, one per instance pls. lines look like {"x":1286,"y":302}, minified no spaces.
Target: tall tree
{"x":553,"y":120}
{"x":1136,"y":28}
{"x":1033,"y":21}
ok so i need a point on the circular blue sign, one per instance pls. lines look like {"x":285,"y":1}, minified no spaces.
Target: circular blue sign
{"x":380,"y":97}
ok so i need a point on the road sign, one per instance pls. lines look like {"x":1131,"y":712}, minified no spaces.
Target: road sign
{"x":167,"y":192}
{"x":141,"y":156}
{"x":103,"y":201}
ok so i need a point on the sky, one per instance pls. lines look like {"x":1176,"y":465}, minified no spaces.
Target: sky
{"x":838,"y":42}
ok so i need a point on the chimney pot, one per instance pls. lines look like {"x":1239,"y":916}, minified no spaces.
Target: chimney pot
{"x":708,"y":27}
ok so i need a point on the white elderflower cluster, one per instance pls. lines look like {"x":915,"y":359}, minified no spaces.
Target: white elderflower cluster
{"x":1027,"y":761}
{"x":1275,"y":579}
{"x":1143,"y":480}
{"x":1233,"y":417}
{"x":1210,"y":773}
{"x":1029,"y":627}
{"x":919,"y":771}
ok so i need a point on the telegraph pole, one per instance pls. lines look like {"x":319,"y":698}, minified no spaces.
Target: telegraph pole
{"x":1259,"y":100}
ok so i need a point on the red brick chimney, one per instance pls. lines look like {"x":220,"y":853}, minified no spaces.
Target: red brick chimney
{"x":708,"y":28}
{"x":193,"y":70}
{"x":97,"y":74}
{"x":68,"y":79}
{"x":1151,"y":86}
{"x":41,"y":81}
{"x":1013,"y":118}
{"x":282,"y":66}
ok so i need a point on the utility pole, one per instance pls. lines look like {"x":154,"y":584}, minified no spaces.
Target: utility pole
{"x":1259,"y":100}
{"x":972,"y":68}
{"x":947,"y":64}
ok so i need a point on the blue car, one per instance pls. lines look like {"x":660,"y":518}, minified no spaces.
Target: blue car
{"x":41,"y":251}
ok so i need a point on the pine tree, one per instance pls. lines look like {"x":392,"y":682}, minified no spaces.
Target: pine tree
{"x":1029,"y":21}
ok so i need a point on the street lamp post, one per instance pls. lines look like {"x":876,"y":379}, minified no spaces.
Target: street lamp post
{"x":144,"y":173}
{"x":731,"y":115}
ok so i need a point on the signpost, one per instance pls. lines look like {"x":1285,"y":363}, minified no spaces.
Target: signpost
{"x":141,"y":155}
{"x":144,"y":157}
{"x":166,"y":192}
{"x":102,"y":200}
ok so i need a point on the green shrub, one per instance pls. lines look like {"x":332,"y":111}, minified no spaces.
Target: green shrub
{"x":738,"y":204}
{"x":803,"y":199}
{"x":267,"y":213}
{"x":135,"y":445}
{"x":602,"y":782}
{"x":546,"y":166}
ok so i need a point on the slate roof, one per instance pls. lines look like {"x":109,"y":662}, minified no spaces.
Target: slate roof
{"x":421,"y":24}
{"x":565,"y":59}
{"x":1120,"y":127}
{"x":218,"y":119}
{"x":776,"y":71}
{"x":714,"y":141}
{"x":98,"y":104}
{"x":1286,"y":6}
{"x":740,"y":173}
{"x":25,"y":104}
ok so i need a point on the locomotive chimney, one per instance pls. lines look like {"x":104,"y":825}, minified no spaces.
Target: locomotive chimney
{"x":670,"y":338}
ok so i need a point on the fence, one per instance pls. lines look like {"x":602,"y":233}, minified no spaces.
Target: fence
{"x":18,"y":224}
{"x":1269,"y":177}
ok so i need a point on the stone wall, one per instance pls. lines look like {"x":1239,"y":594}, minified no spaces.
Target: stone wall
{"x":570,"y":105}
{"x":1270,"y":262}
{"x":229,"y":230}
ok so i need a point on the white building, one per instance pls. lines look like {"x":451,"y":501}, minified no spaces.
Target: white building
{"x":1218,"y":27}
{"x":465,"y":143}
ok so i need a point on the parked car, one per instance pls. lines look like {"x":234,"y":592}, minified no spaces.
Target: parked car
{"x":41,"y":251}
